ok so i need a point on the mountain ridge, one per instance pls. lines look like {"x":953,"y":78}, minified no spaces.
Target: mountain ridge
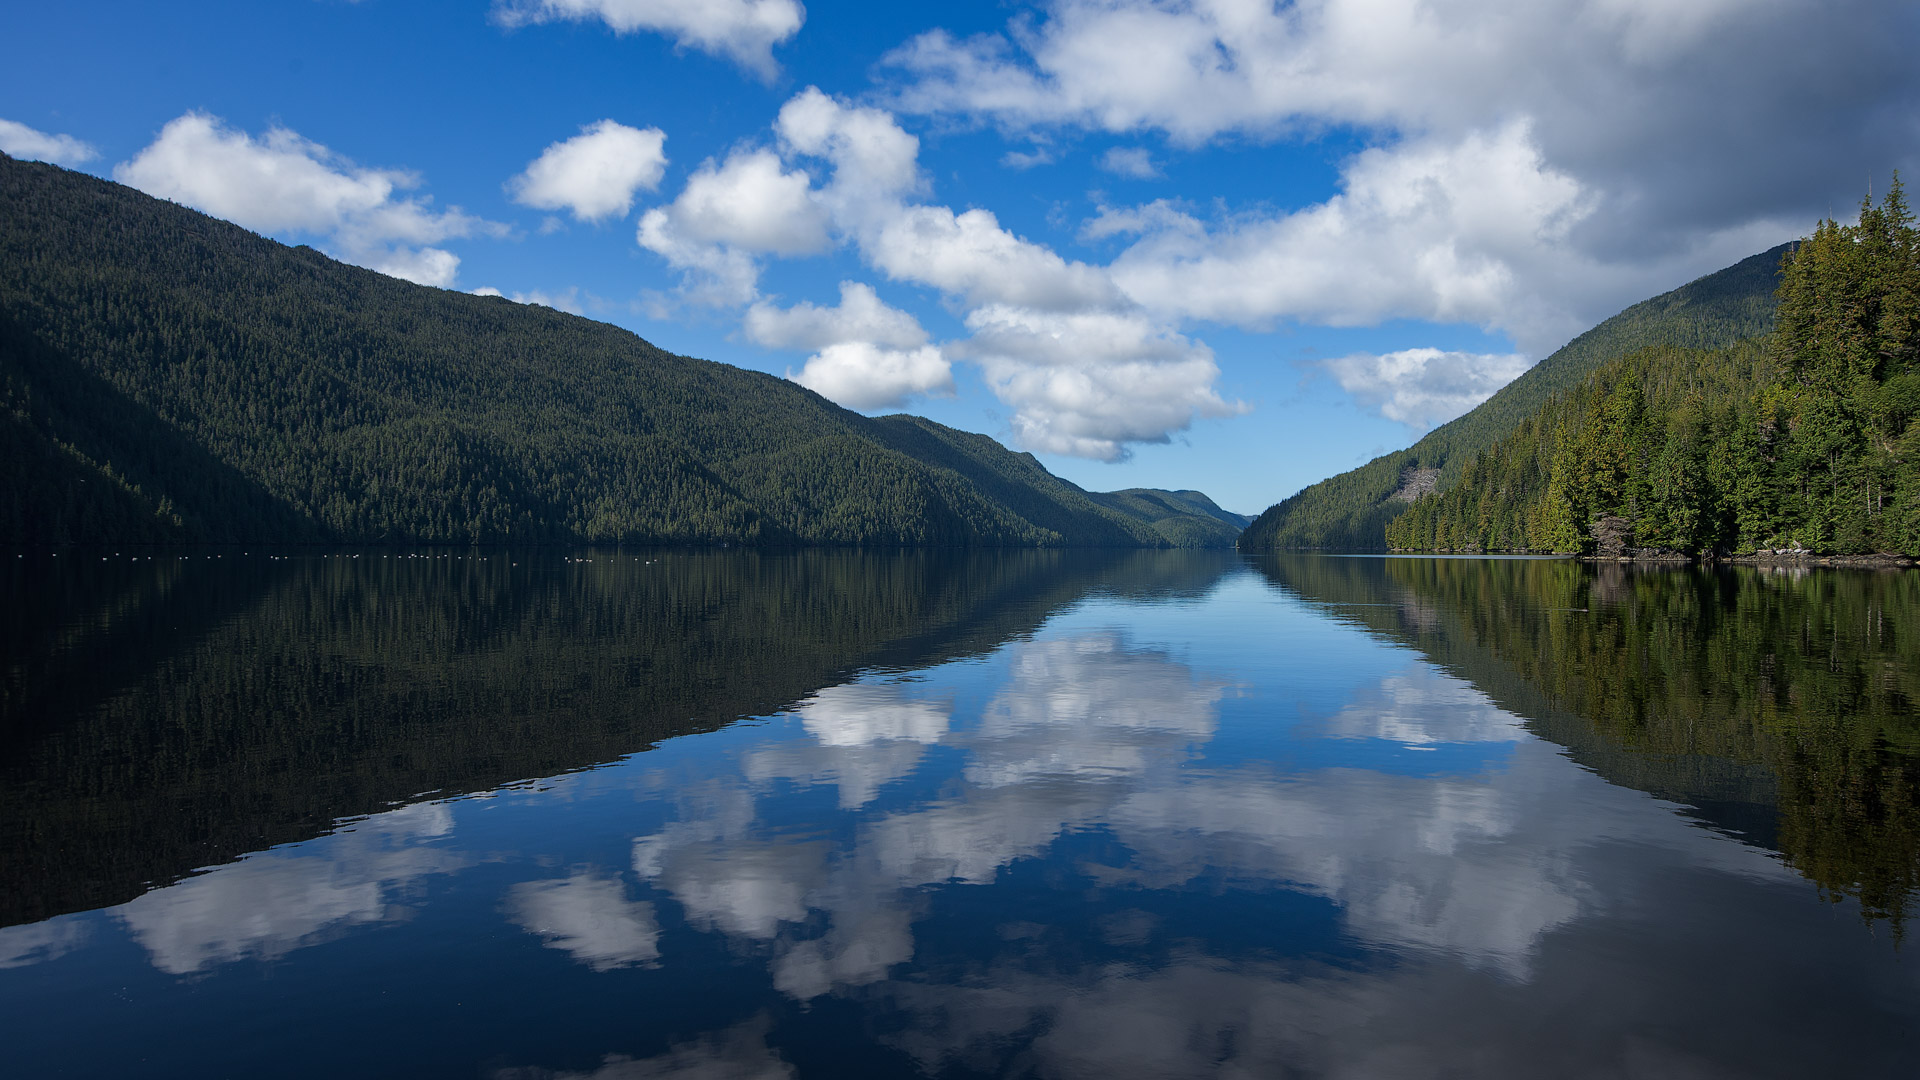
{"x":166,"y":376}
{"x":1351,"y":510}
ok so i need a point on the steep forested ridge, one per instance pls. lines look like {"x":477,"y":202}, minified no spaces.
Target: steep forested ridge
{"x":168,"y":376}
{"x":1806,"y":440}
{"x":1351,"y":511}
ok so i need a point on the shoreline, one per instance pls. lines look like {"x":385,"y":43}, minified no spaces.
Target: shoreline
{"x":1655,"y":557}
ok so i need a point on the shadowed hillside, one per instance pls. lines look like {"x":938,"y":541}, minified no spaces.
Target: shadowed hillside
{"x":166,"y":376}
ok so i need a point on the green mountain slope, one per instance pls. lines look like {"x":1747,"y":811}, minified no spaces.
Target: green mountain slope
{"x":1185,"y":518}
{"x":168,"y":376}
{"x":1808,"y":439}
{"x":1351,"y":511}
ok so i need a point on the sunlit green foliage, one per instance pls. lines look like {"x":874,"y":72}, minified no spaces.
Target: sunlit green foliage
{"x":1350,"y":511}
{"x":1808,"y":439}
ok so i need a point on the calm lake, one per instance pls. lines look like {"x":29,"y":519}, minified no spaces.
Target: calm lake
{"x":1046,"y":814}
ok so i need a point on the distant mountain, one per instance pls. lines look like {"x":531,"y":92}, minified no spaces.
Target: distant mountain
{"x":1185,"y":518}
{"x":168,"y":376}
{"x":1350,"y":511}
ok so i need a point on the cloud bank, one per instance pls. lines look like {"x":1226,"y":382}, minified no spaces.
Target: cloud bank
{"x":20,"y":141}
{"x":744,"y":31}
{"x":282,"y":183}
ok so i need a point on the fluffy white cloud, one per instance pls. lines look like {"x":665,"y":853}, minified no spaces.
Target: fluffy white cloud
{"x":862,"y":375}
{"x":1430,"y":230}
{"x":1534,"y":168}
{"x":971,"y":256}
{"x":744,"y":31}
{"x":728,"y":214}
{"x":1085,"y":369}
{"x":594,"y":174}
{"x":752,"y":202}
{"x":1090,"y":383}
{"x":875,"y":161}
{"x":282,"y":183}
{"x":20,"y":141}
{"x":1423,"y":388}
{"x":866,"y":355}
{"x":861,"y":316}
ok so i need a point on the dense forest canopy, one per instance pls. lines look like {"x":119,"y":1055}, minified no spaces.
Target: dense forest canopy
{"x":1806,"y":440}
{"x":165,"y":376}
{"x":1350,"y":512}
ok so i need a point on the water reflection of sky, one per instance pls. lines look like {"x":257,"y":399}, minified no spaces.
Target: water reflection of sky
{"x":1224,"y":836}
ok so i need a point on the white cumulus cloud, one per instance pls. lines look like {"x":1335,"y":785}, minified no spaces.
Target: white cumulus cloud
{"x":1447,"y":231}
{"x":1089,"y":384}
{"x":726,"y":216}
{"x":594,"y":174}
{"x":1087,"y":369}
{"x":744,"y":31}
{"x":1423,"y":388}
{"x":1533,"y":168}
{"x":282,"y":183}
{"x":866,"y":355}
{"x":862,"y":375}
{"x":20,"y":141}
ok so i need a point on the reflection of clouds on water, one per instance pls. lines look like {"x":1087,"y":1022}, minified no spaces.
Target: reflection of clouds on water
{"x":862,"y":713}
{"x":738,"y":1053}
{"x":1089,"y":732}
{"x":36,"y":943}
{"x":1419,"y":706}
{"x":859,"y":949}
{"x":1199,"y":1016}
{"x":590,"y":918}
{"x":969,"y":839}
{"x":725,"y":876}
{"x":1455,"y":865}
{"x":1090,"y":706}
{"x":864,"y":736}
{"x":268,"y":904}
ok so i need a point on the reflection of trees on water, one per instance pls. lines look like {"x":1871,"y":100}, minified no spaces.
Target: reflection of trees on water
{"x":1782,"y":705}
{"x":175,"y":712}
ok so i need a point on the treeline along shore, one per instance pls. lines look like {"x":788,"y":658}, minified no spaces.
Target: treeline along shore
{"x":1798,"y":445}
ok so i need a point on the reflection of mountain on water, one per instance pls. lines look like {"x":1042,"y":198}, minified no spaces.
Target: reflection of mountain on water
{"x":166,"y":715}
{"x":1781,"y":707}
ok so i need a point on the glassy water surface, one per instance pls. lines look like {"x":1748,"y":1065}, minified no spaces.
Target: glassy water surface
{"x":638,"y":814}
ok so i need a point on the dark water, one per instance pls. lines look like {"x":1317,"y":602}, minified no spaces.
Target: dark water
{"x":1032,"y":814}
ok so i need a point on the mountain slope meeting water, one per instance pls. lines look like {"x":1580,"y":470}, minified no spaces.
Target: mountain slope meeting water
{"x":166,"y":376}
{"x":1351,"y":511}
{"x":1807,"y":440}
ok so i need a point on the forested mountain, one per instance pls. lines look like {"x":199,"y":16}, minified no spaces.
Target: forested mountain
{"x":1806,"y":440}
{"x":168,"y":376}
{"x":1350,"y":511}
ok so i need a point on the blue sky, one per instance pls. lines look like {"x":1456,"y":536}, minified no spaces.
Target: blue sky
{"x":1219,"y":244}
